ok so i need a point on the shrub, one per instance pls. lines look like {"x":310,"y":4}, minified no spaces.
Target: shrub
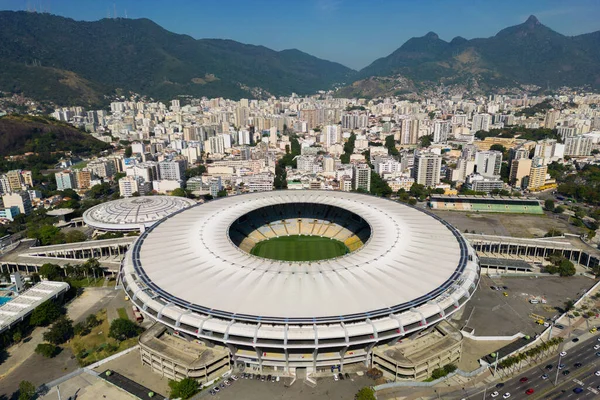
{"x":183,"y":389}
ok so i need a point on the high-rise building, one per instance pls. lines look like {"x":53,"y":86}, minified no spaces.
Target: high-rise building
{"x":537,"y":174}
{"x":481,"y":122}
{"x":488,"y":163}
{"x":441,"y":130}
{"x":361,"y":178}
{"x":551,"y":117}
{"x":427,"y":168}
{"x":19,"y":199}
{"x":65,"y":180}
{"x":173,"y":170}
{"x":83,"y":178}
{"x":15,"y":180}
{"x":578,"y":146}
{"x":328,"y":164}
{"x":129,"y":185}
{"x":331,"y":135}
{"x":519,"y":169}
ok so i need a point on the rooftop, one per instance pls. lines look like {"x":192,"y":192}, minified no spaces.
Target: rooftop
{"x":134,"y":212}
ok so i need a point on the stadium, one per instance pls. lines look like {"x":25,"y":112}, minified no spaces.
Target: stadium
{"x":392,"y":271}
{"x":133,"y":213}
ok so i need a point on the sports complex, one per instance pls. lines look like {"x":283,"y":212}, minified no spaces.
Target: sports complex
{"x":297,"y":279}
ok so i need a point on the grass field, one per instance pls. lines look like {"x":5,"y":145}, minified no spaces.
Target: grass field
{"x":299,"y":248}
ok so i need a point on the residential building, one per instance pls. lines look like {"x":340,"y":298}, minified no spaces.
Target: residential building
{"x":65,"y":180}
{"x":480,"y":183}
{"x":537,"y":174}
{"x":362,"y":177}
{"x":519,"y":169}
{"x":488,"y":163}
{"x":427,"y":169}
{"x":578,"y":146}
{"x":83,"y":178}
{"x":19,"y":199}
{"x":173,"y":170}
{"x":481,"y":122}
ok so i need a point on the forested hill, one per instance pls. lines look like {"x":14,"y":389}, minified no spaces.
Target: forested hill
{"x":68,"y":61}
{"x":22,"y":133}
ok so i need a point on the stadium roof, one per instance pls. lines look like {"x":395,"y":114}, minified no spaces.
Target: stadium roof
{"x":133,"y":213}
{"x":411,"y":258}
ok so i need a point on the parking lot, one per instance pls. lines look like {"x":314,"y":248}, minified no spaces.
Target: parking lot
{"x":491,"y":313}
{"x":326,"y":388}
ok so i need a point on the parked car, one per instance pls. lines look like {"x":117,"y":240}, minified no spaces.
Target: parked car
{"x":495,"y":394}
{"x":506,"y":395}
{"x":335,"y":377}
{"x":529,"y":391}
{"x":523,"y":379}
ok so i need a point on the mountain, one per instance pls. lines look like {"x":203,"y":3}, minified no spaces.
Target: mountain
{"x":68,"y":61}
{"x":529,"y":53}
{"x":23,"y":133}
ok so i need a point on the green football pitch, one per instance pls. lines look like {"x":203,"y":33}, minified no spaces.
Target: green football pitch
{"x":299,"y":248}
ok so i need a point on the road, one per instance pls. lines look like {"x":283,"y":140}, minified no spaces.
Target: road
{"x":583,"y":377}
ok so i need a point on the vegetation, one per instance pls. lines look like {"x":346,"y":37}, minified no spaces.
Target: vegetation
{"x":425,"y":141}
{"x":520,"y":132}
{"x":155,"y":62}
{"x":45,"y":314}
{"x":365,"y":393}
{"x":583,"y":186}
{"x":560,"y":265}
{"x":390,"y":144}
{"x":549,"y":205}
{"x":123,"y":329}
{"x":47,"y":350}
{"x":37,"y":134}
{"x":348,"y":149}
{"x":536,"y":353}
{"x":60,"y":331}
{"x":299,"y":248}
{"x":516,"y":55}
{"x":97,"y":345}
{"x":184,"y":389}
{"x":441,"y":372}
{"x":26,"y":390}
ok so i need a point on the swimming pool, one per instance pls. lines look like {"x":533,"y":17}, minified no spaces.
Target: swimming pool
{"x":4,"y":300}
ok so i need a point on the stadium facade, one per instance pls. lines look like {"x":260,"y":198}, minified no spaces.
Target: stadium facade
{"x":407,"y":270}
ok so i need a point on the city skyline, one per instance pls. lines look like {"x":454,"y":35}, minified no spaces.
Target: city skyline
{"x":331,"y":29}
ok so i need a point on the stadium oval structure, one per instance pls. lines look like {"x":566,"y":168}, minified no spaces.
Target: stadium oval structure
{"x":134,"y":213}
{"x":190,"y":272}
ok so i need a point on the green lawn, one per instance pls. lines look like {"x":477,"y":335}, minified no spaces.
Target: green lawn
{"x":299,"y":248}
{"x":122,"y":313}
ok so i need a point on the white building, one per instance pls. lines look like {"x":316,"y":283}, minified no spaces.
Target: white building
{"x":488,"y":163}
{"x":18,"y":199}
{"x":481,"y":122}
{"x":427,"y":168}
{"x":578,"y":146}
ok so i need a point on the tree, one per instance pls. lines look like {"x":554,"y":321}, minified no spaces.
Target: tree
{"x":553,"y":232}
{"x":128,"y":152}
{"x":17,"y":336}
{"x":549,"y":204}
{"x":179,"y":192}
{"x":75,"y":236}
{"x":92,"y":320}
{"x":426,"y":140}
{"x":183,"y":389}
{"x":47,"y":350}
{"x":566,"y":268}
{"x":26,"y":390}
{"x":45,"y":313}
{"x":222,"y":193}
{"x":365,"y":393}
{"x":60,"y":331}
{"x":122,"y":329}
{"x":569,"y":305}
{"x":559,"y":210}
{"x":81,"y":329}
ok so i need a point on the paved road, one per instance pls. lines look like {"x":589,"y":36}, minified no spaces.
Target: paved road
{"x":583,"y":353}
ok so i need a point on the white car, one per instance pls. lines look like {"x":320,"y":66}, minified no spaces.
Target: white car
{"x":506,"y":395}
{"x":495,"y":394}
{"x":563,"y":353}
{"x":335,"y":377}
{"x":597,"y":347}
{"x":597,"y":373}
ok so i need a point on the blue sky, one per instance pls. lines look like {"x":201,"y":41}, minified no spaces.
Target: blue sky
{"x":351,"y":32}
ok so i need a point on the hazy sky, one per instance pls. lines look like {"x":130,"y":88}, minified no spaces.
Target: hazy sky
{"x":351,"y":32}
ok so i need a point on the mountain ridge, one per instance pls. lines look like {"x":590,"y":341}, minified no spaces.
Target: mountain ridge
{"x":138,"y":55}
{"x":529,"y":53}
